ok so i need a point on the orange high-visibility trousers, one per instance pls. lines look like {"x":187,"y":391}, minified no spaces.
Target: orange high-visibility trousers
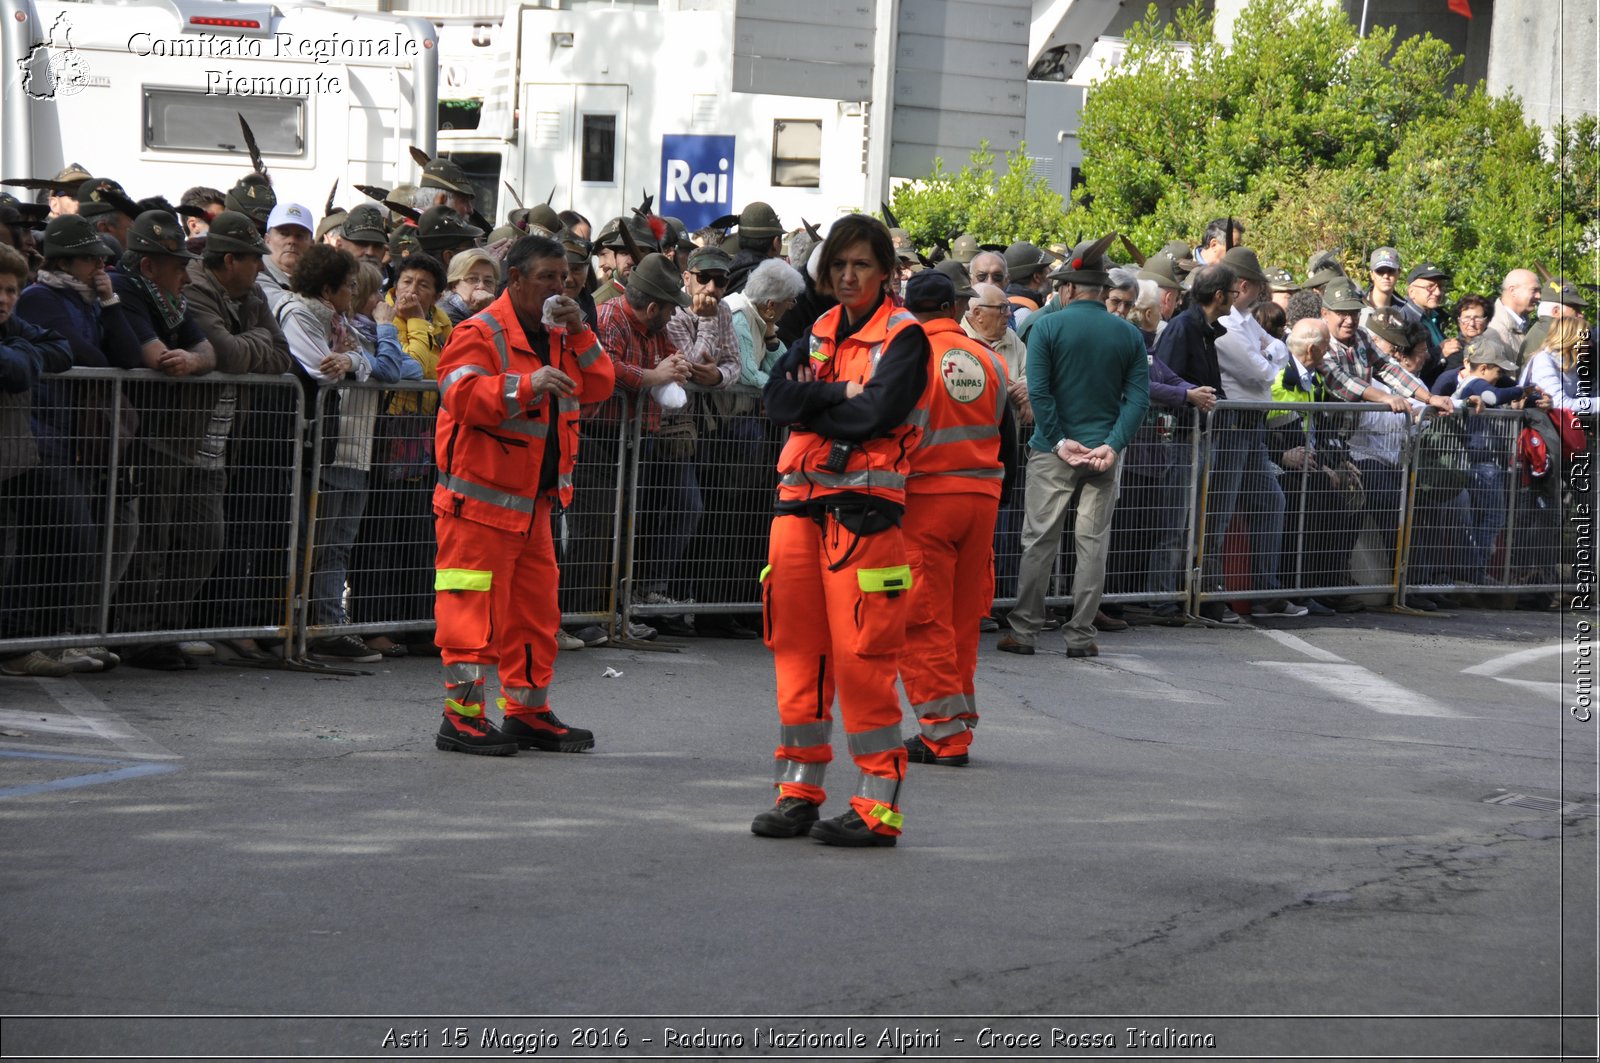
{"x":950,"y":541}
{"x":837,"y":632}
{"x":495,"y":606}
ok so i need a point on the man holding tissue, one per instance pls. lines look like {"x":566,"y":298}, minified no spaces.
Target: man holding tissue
{"x":633,"y":330}
{"x":511,"y":380}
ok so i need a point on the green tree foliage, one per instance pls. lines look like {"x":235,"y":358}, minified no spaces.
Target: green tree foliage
{"x":1017,"y":204}
{"x":1317,"y":138}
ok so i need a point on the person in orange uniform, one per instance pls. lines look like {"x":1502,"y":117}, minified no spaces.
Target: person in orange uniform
{"x":837,"y":581}
{"x":511,"y":380}
{"x":962,"y":467}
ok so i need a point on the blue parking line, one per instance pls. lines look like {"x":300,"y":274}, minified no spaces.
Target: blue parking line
{"x":129,"y":770}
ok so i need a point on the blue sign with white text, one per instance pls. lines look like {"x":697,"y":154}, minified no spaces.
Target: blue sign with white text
{"x":696,"y":178}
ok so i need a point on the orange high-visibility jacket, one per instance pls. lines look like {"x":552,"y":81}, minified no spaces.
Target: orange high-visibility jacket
{"x":877,"y":466}
{"x":962,"y":408}
{"x":492,"y":429}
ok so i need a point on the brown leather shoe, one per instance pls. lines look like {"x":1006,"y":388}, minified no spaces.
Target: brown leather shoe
{"x":1102,"y":622}
{"x":1090,"y":650}
{"x":1012,"y":644}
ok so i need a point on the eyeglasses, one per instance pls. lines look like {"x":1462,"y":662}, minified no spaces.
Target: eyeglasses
{"x":990,"y":306}
{"x":1475,"y":319}
{"x":718,"y":279}
{"x":987,"y":277}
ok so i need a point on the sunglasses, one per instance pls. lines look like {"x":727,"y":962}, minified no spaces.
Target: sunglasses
{"x":718,"y":279}
{"x":987,"y":276}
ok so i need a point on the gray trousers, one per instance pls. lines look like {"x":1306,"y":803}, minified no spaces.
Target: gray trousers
{"x":1052,"y":484}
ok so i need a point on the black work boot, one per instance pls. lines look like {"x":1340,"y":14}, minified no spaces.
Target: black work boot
{"x":849,"y":830}
{"x":918,"y":750}
{"x":473,"y":734}
{"x":542,"y":730}
{"x":791,"y":817}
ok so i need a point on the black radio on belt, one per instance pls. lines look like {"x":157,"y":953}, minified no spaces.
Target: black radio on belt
{"x":838,"y":458}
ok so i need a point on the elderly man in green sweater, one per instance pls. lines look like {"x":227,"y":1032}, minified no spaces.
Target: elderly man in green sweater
{"x":1089,"y":383}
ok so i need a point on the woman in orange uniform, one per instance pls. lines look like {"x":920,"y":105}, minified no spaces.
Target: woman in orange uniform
{"x":837,"y":580}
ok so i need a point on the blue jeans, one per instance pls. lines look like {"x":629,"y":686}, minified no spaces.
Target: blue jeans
{"x":341,"y":503}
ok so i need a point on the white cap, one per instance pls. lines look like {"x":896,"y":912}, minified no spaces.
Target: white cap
{"x":290,"y":214}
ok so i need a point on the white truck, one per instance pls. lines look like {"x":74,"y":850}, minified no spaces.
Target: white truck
{"x":149,"y":92}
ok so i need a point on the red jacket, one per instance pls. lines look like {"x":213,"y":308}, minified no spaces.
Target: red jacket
{"x":492,"y":429}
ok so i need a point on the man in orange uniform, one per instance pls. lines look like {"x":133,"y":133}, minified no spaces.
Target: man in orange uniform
{"x":960,"y":470}
{"x":511,"y":380}
{"x":837,"y":580}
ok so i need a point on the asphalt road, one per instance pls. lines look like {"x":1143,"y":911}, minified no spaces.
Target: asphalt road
{"x":1371,"y":835}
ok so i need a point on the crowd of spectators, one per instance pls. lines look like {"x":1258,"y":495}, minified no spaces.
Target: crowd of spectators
{"x":177,"y":488}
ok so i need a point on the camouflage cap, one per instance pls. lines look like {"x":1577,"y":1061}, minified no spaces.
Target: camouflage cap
{"x":442,"y":173}
{"x":710,"y":258}
{"x":441,"y":229}
{"x":233,"y":233}
{"x":659,"y":279}
{"x":74,"y":236}
{"x":965,"y":248}
{"x":155,"y":232}
{"x":99,"y":196}
{"x":1489,"y":349}
{"x":363,"y":224}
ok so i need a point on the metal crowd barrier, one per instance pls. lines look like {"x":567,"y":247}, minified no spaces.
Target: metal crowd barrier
{"x":138,"y":526}
{"x":161,"y":510}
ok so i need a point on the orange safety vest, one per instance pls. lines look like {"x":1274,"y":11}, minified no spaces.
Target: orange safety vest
{"x":961,"y":410}
{"x":1022,"y":301}
{"x":876,"y":467}
{"x":490,"y":437}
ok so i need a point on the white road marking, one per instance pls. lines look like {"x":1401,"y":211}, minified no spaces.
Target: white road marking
{"x":87,"y":716}
{"x":1360,"y":686}
{"x":1553,"y":691}
{"x":1300,"y":645}
{"x":1506,"y":663}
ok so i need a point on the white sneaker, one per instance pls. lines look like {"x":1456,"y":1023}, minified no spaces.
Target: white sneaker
{"x":1280,"y":607}
{"x":81,"y":659}
{"x":36,"y":663}
{"x":565,"y":641}
{"x":197,"y":648}
{"x":641,"y":632}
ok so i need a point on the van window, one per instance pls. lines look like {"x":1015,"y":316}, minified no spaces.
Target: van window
{"x":600,"y":148}
{"x":483,"y":170}
{"x":797,"y":152}
{"x":181,"y":120}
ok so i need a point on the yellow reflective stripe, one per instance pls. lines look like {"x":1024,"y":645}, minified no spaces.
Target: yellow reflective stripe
{"x":461,"y":579}
{"x":765,"y":572}
{"x":888,"y":817}
{"x":461,"y":708}
{"x":873,"y":580}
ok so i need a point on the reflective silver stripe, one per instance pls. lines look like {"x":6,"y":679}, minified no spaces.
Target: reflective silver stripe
{"x":806,"y":734}
{"x":566,"y":404}
{"x":972,"y":707}
{"x":463,"y":672}
{"x":793,"y":771}
{"x":523,"y":427}
{"x":917,"y":418}
{"x":875,"y":352}
{"x":513,"y":381}
{"x":564,"y":481}
{"x":493,"y":496}
{"x":899,"y":316}
{"x":892,"y":481}
{"x":877,"y":788}
{"x":528,"y":697}
{"x":497,"y":333}
{"x":945,"y":708}
{"x":936,"y":731}
{"x":590,"y":356}
{"x":975,"y":474}
{"x":965,"y":433}
{"x":877,"y":740}
{"x":458,"y":373}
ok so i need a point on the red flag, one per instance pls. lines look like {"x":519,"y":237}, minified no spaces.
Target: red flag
{"x":1461,"y":7}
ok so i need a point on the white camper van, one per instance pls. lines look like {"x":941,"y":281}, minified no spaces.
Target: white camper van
{"x":149,"y":92}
